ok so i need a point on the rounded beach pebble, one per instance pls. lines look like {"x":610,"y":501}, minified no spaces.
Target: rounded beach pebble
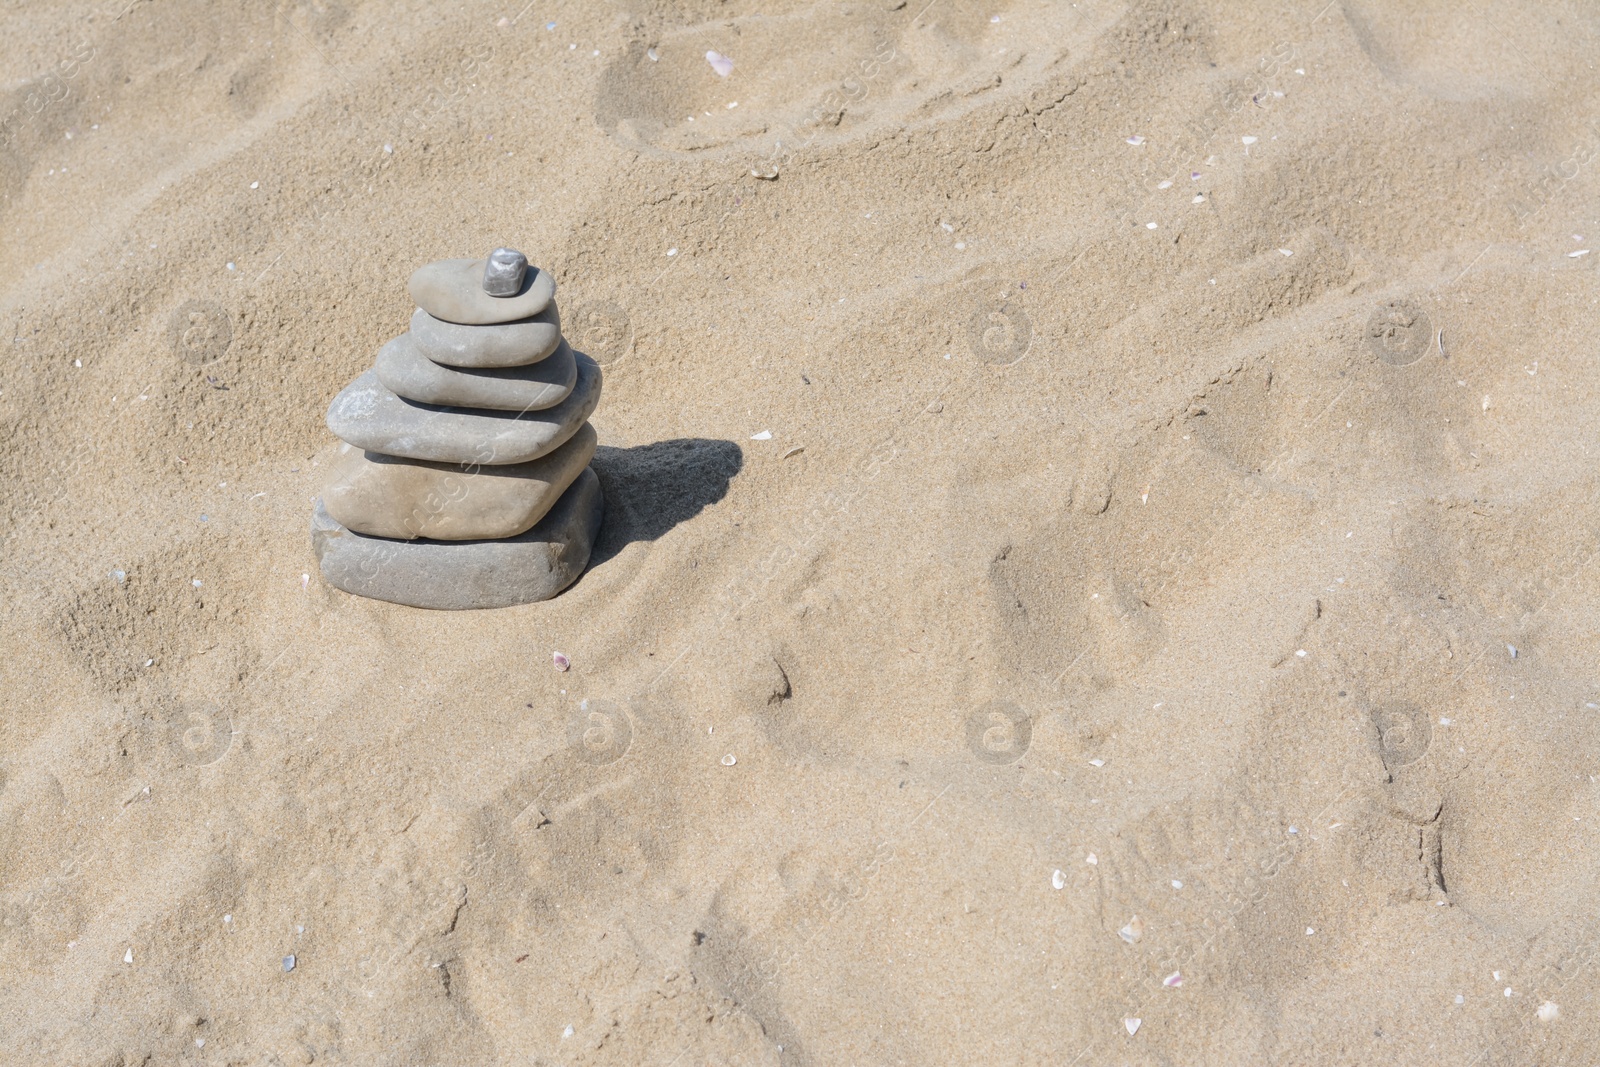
{"x":510,"y":344}
{"x":466,"y":574}
{"x":369,"y":415}
{"x":382,"y":496}
{"x":404,"y":369}
{"x":452,"y":290}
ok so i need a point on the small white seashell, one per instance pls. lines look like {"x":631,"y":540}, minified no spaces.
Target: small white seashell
{"x":1548,"y":1012}
{"x":1097,"y":763}
{"x":128,"y":957}
{"x":1248,"y":140}
{"x":1091,"y":859}
{"x":655,"y":57}
{"x":764,"y":435}
{"x":1133,"y":931}
{"x":720,"y":63}
{"x":1132,"y":1025}
{"x":1058,"y":880}
{"x":561,"y":661}
{"x":729,"y":760}
{"x":1177,"y":884}
{"x":1136,"y":140}
{"x":1173,"y":980}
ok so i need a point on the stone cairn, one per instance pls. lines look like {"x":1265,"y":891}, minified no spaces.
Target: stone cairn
{"x":464,"y":479}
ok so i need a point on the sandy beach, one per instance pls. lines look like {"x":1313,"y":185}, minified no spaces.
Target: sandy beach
{"x":1099,"y":560}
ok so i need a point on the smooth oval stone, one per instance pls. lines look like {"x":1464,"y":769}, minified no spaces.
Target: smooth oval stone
{"x":454,"y":575}
{"x":510,"y":344}
{"x":452,"y":290}
{"x":369,"y":415}
{"x":381,"y":496}
{"x":534,"y":387}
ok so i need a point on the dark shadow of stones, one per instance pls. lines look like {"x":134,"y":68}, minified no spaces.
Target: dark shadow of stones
{"x":652,"y":488}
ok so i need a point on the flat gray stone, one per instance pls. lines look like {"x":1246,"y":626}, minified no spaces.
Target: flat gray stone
{"x":511,"y":344}
{"x":381,"y":496}
{"x":452,"y":290}
{"x":454,"y":575}
{"x":369,"y":415}
{"x":406,"y":371}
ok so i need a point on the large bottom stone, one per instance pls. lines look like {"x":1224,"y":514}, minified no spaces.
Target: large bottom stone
{"x":454,"y":575}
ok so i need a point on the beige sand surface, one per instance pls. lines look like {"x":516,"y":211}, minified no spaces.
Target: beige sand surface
{"x":1220,"y":552}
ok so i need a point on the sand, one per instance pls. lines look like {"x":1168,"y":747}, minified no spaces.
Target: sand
{"x":1001,"y":542}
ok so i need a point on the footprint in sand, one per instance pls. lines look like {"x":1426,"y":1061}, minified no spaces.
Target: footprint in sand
{"x":1505,"y":54}
{"x":813,"y":76}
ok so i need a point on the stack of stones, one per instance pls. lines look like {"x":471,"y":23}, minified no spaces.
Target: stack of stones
{"x":464,"y":481}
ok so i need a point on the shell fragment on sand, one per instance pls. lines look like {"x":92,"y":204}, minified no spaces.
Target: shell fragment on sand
{"x":380,"y":496}
{"x":509,"y":344}
{"x":407,"y":372}
{"x":503,"y":273}
{"x":369,"y":415}
{"x":455,"y":575}
{"x":452,"y":290}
